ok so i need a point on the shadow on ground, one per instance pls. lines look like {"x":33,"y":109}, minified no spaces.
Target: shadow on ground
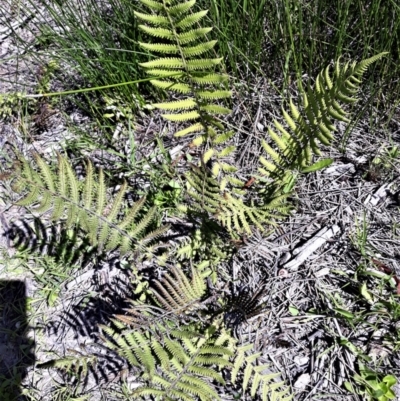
{"x":16,"y":349}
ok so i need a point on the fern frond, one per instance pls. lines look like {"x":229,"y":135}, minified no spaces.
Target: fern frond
{"x":231,"y":211}
{"x":261,"y":382}
{"x":73,"y":201}
{"x":78,"y":365}
{"x":313,"y":123}
{"x":179,"y":294}
{"x":198,"y":78}
{"x":189,"y":358}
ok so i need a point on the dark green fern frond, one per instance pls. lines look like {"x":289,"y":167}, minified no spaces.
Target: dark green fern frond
{"x":257,"y":379}
{"x":210,"y":198}
{"x":313,"y":124}
{"x":109,"y":224}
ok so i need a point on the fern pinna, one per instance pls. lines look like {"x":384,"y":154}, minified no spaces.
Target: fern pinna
{"x":84,"y":204}
{"x":261,"y":379}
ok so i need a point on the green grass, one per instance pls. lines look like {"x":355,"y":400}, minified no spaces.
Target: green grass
{"x":287,"y":39}
{"x":281,"y":40}
{"x":96,"y":44}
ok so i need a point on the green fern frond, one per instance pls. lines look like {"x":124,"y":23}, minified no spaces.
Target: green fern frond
{"x":83,"y":204}
{"x":229,"y":210}
{"x":199,"y":79}
{"x":78,"y":365}
{"x":312,"y":125}
{"x":262,"y":383}
{"x":189,"y":358}
{"x":177,"y":293}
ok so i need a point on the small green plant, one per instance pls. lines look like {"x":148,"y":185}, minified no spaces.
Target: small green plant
{"x":45,"y":75}
{"x":9,"y":103}
{"x":187,"y":70}
{"x":84,"y":205}
{"x":372,"y":386}
{"x":180,"y":347}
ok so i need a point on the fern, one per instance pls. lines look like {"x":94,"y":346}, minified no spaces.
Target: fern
{"x":84,"y":204}
{"x":313,"y":124}
{"x":78,"y":365}
{"x":292,"y":148}
{"x":188,"y":47}
{"x":212,"y":198}
{"x":263,"y":383}
{"x":292,"y":154}
{"x":187,"y":70}
{"x":176,"y":351}
{"x":179,"y":294}
{"x":178,"y":358}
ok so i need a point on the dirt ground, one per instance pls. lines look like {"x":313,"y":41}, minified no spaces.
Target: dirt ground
{"x":354,"y":205}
